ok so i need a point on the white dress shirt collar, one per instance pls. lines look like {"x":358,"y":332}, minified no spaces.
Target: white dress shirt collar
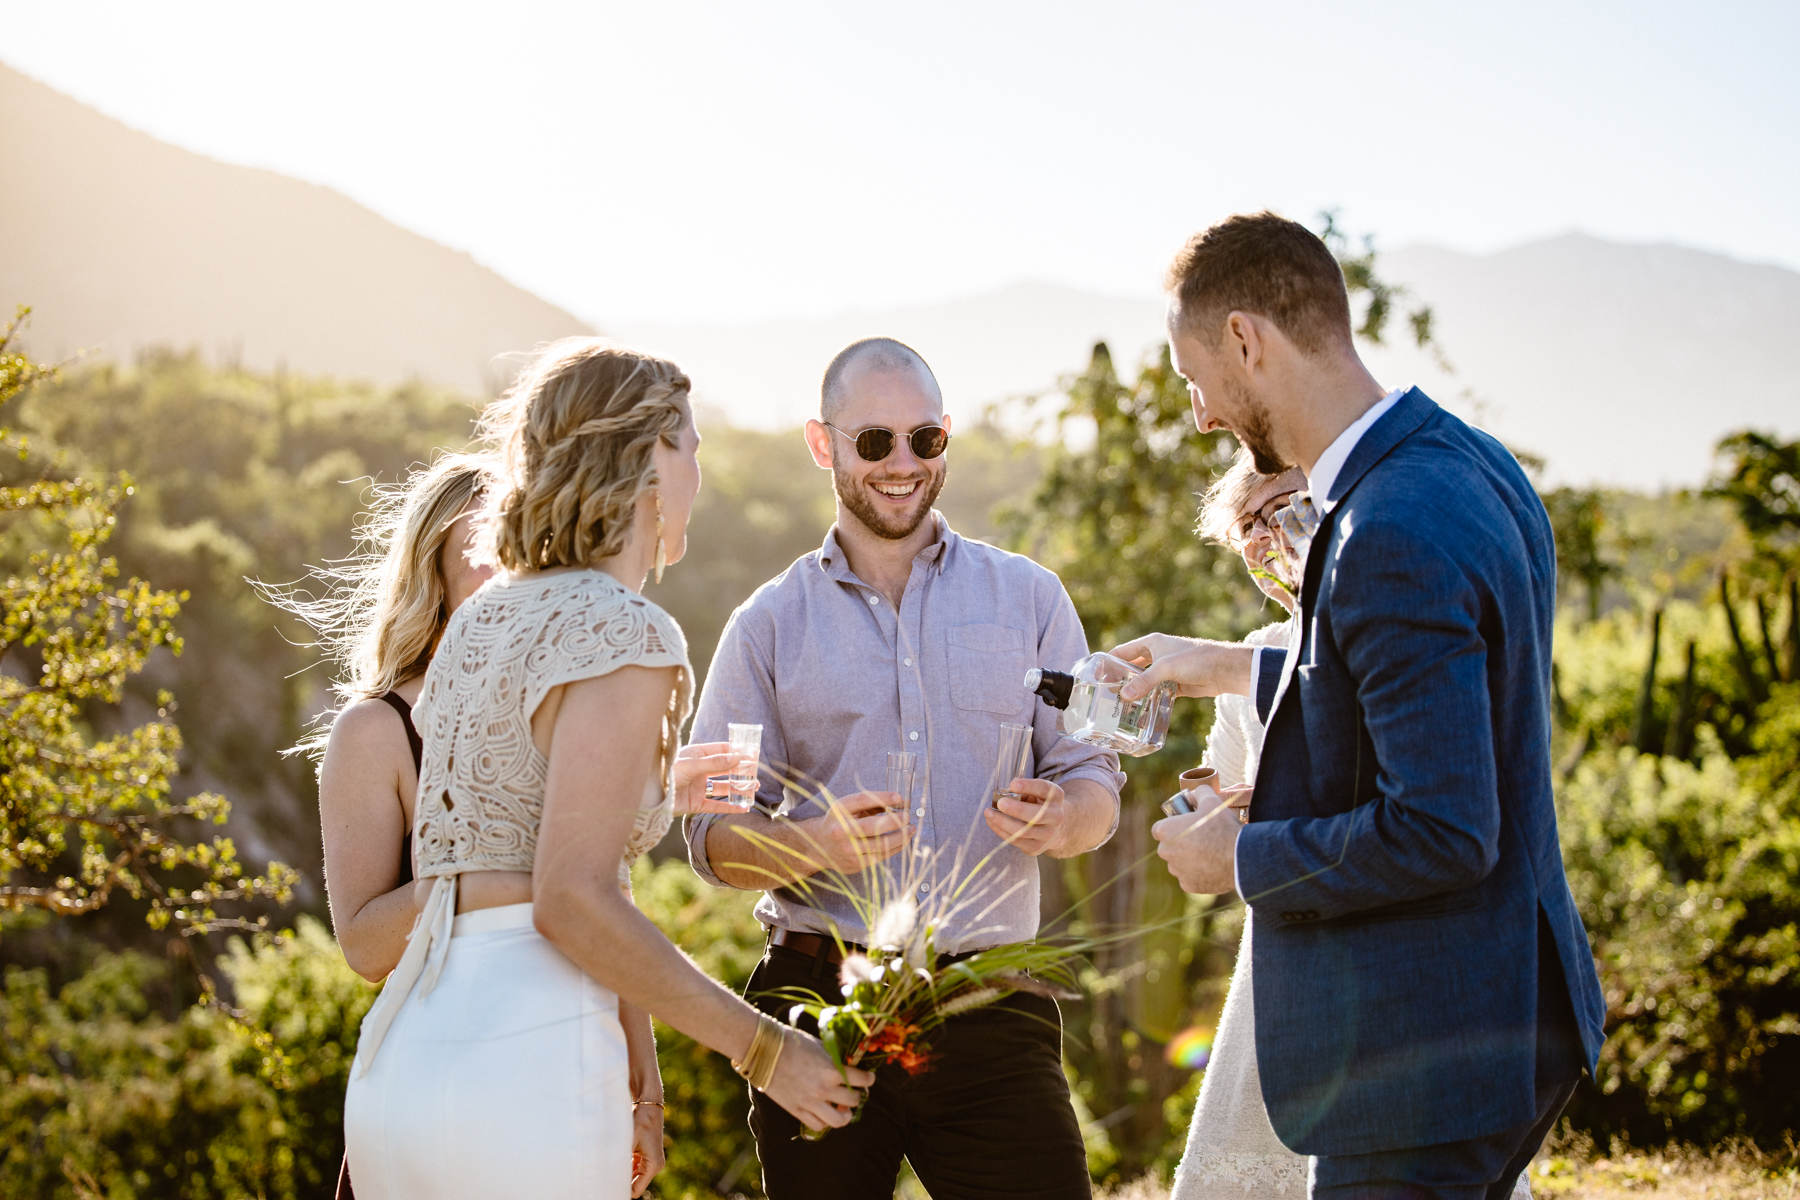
{"x":1325,"y":471}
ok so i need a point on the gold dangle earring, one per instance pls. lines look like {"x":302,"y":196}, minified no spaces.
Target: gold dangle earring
{"x":662,"y":551}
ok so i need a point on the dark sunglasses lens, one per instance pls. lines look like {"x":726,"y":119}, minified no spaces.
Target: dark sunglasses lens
{"x":929,"y":441}
{"x":875,"y":444}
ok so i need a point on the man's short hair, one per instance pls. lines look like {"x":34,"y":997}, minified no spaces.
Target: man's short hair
{"x":1265,"y":264}
{"x":876,"y":353}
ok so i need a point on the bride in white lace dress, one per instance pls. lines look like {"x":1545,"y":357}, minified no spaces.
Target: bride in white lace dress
{"x":510,"y":1052}
{"x":1232,"y":1151}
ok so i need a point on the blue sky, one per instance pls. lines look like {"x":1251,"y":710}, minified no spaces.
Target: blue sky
{"x":716,"y":162}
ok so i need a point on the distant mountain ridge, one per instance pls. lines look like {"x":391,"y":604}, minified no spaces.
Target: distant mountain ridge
{"x":1619,"y":364}
{"x":120,"y":241}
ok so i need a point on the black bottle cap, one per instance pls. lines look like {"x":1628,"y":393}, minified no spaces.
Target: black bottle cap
{"x":1053,"y":686}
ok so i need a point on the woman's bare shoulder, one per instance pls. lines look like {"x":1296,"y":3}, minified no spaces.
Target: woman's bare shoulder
{"x":367,"y":728}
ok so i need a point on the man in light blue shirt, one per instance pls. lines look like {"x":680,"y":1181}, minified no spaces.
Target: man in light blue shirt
{"x":899,"y":635}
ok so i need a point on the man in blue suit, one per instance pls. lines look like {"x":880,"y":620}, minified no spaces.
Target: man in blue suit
{"x":1425,"y":997}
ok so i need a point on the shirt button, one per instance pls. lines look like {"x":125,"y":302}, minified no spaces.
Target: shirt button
{"x":924,"y":889}
{"x":907,"y":661}
{"x":874,"y":599}
{"x":913,"y":736}
{"x":920,"y":812}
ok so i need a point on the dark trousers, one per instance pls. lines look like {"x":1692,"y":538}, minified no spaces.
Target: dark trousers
{"x":1444,"y":1172}
{"x":990,"y":1117}
{"x":1483,"y":1168}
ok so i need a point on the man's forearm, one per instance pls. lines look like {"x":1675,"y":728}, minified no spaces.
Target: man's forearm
{"x":1092,"y":813}
{"x":754,"y":853}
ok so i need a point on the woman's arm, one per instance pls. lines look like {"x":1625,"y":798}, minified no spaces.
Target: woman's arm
{"x":646,"y":1096}
{"x":603,"y":754}
{"x":364,"y":825}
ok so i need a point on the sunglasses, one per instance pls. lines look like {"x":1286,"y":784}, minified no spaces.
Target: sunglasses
{"x":876,"y":443}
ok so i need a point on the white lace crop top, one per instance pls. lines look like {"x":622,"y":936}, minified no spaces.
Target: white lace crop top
{"x":481,"y":783}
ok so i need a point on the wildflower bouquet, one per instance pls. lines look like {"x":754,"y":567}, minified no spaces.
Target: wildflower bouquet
{"x":898,"y":991}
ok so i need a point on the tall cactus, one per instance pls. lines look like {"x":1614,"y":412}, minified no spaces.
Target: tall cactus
{"x":1755,"y":689}
{"x":1768,"y":639}
{"x":1643,"y":735}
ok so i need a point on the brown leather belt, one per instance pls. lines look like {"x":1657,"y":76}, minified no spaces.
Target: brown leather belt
{"x":813,"y":945}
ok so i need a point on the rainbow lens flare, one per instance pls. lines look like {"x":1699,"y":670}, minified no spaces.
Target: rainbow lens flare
{"x":1191,"y":1048}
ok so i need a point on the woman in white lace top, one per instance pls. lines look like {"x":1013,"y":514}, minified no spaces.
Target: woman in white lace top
{"x":510,"y":1052}
{"x":1232,"y":1150}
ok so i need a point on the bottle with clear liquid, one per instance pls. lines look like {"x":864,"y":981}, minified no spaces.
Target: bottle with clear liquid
{"x":1092,"y":712}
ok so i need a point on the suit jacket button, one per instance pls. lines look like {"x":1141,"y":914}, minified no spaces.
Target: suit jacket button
{"x":1290,"y":915}
{"x":1309,"y":915}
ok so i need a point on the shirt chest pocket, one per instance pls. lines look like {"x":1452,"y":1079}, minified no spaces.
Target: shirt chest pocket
{"x":987,"y":668}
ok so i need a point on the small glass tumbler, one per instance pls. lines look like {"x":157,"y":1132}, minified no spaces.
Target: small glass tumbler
{"x":739,"y":787}
{"x":1009,"y":760}
{"x":902,"y":766}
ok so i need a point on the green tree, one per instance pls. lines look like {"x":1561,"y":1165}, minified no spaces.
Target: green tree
{"x":1587,"y":550}
{"x":88,"y":814}
{"x":1760,"y":476}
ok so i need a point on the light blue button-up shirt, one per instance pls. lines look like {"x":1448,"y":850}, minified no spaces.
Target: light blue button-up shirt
{"x":837,"y":678}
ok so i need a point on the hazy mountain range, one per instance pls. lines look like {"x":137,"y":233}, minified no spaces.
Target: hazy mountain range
{"x":1617,"y":363}
{"x":118,"y":241}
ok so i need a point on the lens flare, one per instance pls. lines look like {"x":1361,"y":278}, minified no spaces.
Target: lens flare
{"x":1191,"y":1048}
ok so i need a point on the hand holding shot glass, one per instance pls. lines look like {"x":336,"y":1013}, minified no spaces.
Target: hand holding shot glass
{"x":738,"y":789}
{"x":1200,"y":792}
{"x":1009,"y":762}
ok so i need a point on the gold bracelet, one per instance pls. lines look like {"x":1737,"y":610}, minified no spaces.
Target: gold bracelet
{"x":758,"y":1064}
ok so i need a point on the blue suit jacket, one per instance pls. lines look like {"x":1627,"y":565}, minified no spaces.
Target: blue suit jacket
{"x":1403,"y":837}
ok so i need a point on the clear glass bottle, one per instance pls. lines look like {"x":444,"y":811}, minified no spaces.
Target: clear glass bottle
{"x":1092,"y":712}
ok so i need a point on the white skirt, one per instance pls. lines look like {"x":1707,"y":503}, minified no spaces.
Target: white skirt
{"x":508,"y":1078}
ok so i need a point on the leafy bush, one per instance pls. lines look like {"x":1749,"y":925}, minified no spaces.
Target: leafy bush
{"x":1684,"y":874}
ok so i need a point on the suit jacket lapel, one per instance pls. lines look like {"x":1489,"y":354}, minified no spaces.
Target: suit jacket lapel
{"x":1309,"y":591}
{"x":1395,"y":426}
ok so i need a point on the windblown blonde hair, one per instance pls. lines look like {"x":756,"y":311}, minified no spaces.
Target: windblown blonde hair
{"x":385,"y":607}
{"x":573,"y":438}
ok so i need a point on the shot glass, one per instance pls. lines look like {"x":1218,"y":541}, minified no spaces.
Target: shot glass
{"x":739,"y":787}
{"x":902,"y":766}
{"x":1192,"y":780}
{"x":1009,"y":760}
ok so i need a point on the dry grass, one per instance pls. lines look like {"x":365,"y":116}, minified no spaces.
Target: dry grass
{"x":1575,"y":1170}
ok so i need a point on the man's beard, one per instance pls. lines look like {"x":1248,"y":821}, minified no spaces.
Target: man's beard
{"x":892,"y":526}
{"x":1254,"y":434}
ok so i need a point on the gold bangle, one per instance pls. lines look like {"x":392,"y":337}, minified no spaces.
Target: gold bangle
{"x":649,"y":1103}
{"x":758,"y":1064}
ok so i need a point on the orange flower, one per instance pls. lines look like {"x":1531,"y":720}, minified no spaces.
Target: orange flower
{"x":898,"y":1043}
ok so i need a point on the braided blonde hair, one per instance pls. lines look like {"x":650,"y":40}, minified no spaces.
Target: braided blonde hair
{"x":573,"y":437}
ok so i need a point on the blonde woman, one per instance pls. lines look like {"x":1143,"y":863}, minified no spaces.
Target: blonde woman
{"x":398,"y":601}
{"x":510,"y":1053}
{"x":379,"y":623}
{"x":1232,"y":1150}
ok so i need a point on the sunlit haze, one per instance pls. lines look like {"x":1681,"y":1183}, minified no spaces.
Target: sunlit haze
{"x":727,"y":162}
